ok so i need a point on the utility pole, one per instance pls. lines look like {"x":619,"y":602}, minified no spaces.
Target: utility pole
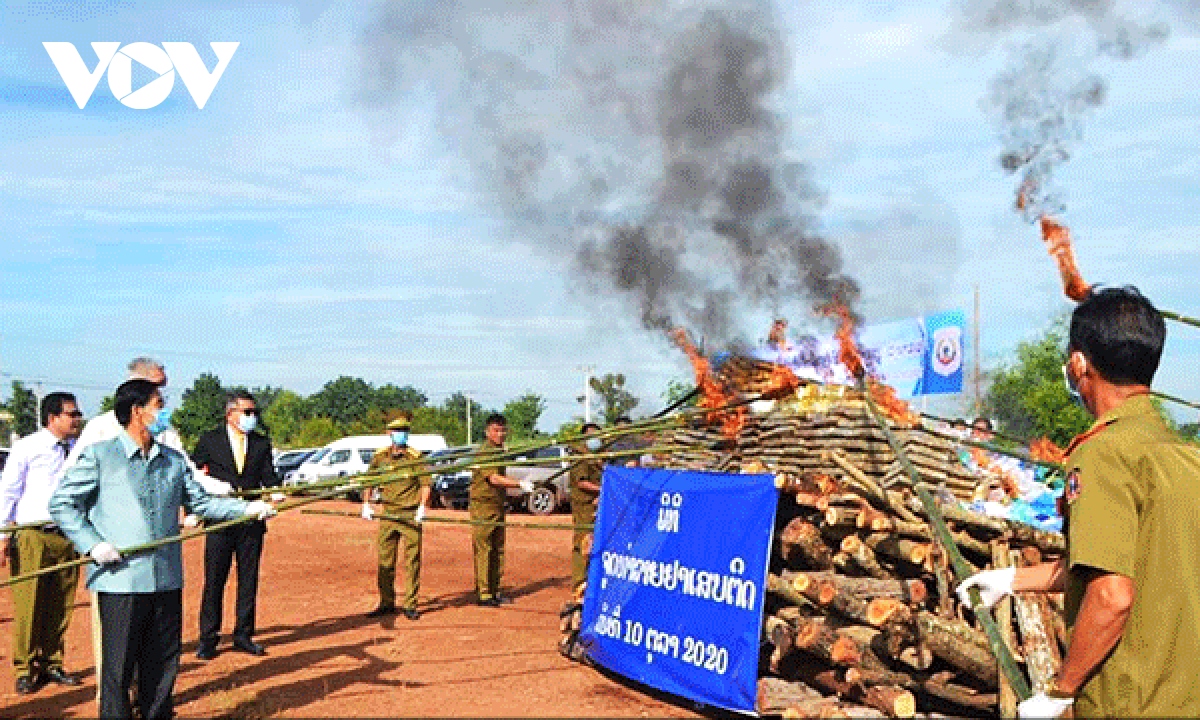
{"x":587,"y":391}
{"x":468,"y":395}
{"x":978,"y":379}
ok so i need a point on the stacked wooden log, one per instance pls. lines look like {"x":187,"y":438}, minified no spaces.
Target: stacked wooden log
{"x":798,"y":434}
{"x":862,"y":619}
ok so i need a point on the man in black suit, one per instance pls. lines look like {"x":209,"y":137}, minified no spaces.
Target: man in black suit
{"x":235,"y":454}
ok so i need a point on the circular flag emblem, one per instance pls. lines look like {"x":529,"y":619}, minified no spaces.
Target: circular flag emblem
{"x":947,"y":351}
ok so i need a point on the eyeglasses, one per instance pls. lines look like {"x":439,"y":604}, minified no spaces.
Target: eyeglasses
{"x":73,"y":413}
{"x":249,"y":411}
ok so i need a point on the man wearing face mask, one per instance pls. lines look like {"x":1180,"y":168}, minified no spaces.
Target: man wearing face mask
{"x":125,"y":492}
{"x":241,"y":457}
{"x":1129,"y":510}
{"x":585,"y":493}
{"x":405,"y":498}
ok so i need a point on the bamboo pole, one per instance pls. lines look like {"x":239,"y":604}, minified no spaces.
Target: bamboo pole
{"x":1176,"y":400}
{"x":1182,"y":319}
{"x":958,"y":564}
{"x":408,"y":518}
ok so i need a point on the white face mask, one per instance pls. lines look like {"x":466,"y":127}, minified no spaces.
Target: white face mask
{"x":1071,"y":389}
{"x":593,"y":444}
{"x":247,"y":423}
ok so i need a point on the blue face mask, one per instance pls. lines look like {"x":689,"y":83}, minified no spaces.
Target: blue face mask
{"x":162,"y":421}
{"x":399,"y":437}
{"x":247,"y":423}
{"x":594,"y":444}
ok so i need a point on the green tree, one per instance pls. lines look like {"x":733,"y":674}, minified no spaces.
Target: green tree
{"x":389,"y":398}
{"x":23,"y":405}
{"x":344,"y":400}
{"x":616,"y":400}
{"x":285,"y":416}
{"x":318,"y":431}
{"x":677,"y":390}
{"x":201,"y":409}
{"x":522,"y":414}
{"x":1029,"y":398}
{"x":456,"y":405}
{"x":266,"y":396}
{"x":374,"y":422}
{"x":440,"y":421}
{"x":108,"y":403}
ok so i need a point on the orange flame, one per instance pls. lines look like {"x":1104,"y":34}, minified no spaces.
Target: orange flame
{"x":896,"y":409}
{"x":848,"y":353}
{"x":1058,"y":241}
{"x":713,"y":393}
{"x":783,"y":382}
{"x":1045,"y":450}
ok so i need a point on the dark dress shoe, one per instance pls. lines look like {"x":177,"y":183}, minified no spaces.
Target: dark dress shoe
{"x":58,"y":676}
{"x":410,"y":613}
{"x":249,"y":647}
{"x":206,"y":652}
{"x":27,"y":685}
{"x":382,"y":611}
{"x":490,"y":602}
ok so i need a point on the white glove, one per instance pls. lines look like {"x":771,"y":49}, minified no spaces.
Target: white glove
{"x":993,"y":586}
{"x":1043,"y":706}
{"x":367,"y":512}
{"x":527,"y":485}
{"x":278,"y":497}
{"x":191,"y":520}
{"x":420,"y":514}
{"x":260,"y":508}
{"x":211,"y":485}
{"x":105,"y":553}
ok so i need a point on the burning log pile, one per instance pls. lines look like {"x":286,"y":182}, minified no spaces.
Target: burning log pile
{"x":862,"y":619}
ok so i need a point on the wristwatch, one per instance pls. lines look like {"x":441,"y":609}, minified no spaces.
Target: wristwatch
{"x":1055,"y":691}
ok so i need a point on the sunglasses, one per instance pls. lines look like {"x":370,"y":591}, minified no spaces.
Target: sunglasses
{"x":74,"y":414}
{"x":249,"y":411}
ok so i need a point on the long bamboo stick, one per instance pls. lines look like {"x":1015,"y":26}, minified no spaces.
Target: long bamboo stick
{"x":958,"y":564}
{"x":408,"y":518}
{"x":1174,"y":399}
{"x":1182,"y":319}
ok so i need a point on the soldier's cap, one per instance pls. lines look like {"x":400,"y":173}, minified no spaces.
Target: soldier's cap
{"x":400,"y":423}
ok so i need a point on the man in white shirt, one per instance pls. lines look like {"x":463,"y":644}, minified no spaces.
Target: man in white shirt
{"x":42,"y":607}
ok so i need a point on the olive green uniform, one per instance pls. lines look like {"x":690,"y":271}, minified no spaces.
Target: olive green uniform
{"x":1132,"y":507}
{"x":42,"y":608}
{"x":487,"y":504}
{"x":583,"y":512}
{"x":400,"y":498}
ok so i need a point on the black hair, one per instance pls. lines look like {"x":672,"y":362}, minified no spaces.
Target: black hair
{"x":53,"y":403}
{"x":986,"y":422}
{"x":623,"y":420}
{"x":958,"y":423}
{"x":131,"y":394}
{"x":232,"y":397}
{"x":588,"y":426}
{"x":1120,"y":333}
{"x":496,"y":419}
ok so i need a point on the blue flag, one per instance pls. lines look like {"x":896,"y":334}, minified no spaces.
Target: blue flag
{"x":676,"y":582}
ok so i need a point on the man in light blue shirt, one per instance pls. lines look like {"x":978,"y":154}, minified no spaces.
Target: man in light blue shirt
{"x":124,"y":492}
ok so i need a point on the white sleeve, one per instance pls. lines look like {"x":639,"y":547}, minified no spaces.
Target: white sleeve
{"x":12,"y":485}
{"x":171,"y":439}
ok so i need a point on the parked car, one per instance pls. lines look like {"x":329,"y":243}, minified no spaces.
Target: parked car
{"x":450,"y":489}
{"x":548,"y":495}
{"x":352,"y":455}
{"x":289,"y":461}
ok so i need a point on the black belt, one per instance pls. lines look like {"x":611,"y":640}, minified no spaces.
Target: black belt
{"x":53,"y":530}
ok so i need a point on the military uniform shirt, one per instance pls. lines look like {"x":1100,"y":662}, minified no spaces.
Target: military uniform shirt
{"x":585,"y":471}
{"x":1133,"y":508}
{"x":403,"y":494}
{"x":483,"y":493}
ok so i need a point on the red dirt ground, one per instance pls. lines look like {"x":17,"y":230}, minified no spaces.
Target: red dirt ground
{"x":326,"y":660}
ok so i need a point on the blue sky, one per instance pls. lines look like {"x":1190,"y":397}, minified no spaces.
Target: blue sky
{"x":275,"y":238}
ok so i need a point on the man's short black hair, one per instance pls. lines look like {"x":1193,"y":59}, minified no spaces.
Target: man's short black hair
{"x":588,"y":426}
{"x":1120,"y":333}
{"x":623,"y":420}
{"x":131,"y":394}
{"x":496,"y":419}
{"x":233,"y":396}
{"x":53,"y":403}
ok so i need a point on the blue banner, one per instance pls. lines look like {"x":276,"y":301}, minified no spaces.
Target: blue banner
{"x":676,"y":582}
{"x":917,"y":356}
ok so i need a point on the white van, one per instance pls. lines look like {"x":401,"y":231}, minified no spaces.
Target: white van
{"x":352,"y":455}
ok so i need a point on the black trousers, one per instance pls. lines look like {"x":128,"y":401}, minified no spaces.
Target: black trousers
{"x":142,"y":632}
{"x":220,"y":548}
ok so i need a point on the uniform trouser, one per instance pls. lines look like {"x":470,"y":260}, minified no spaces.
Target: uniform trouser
{"x":488,"y":544}
{"x":142,"y":632}
{"x":245,"y":543}
{"x":42,"y":607}
{"x":97,"y":642}
{"x":391,"y":534}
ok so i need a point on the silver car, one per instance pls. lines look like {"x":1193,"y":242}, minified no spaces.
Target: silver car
{"x":551,"y":482}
